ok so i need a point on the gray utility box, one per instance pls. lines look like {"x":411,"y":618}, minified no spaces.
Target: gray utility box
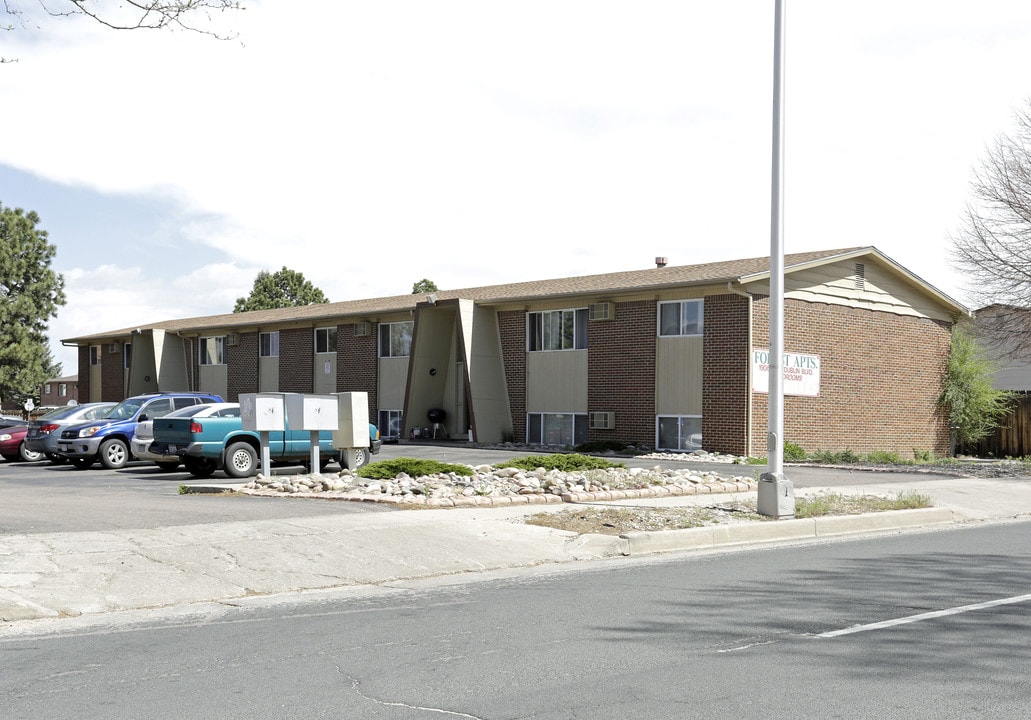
{"x":352,"y":426}
{"x":263,"y":412}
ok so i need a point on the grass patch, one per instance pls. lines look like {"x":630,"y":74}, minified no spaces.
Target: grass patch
{"x":838,"y":504}
{"x":413,"y":467}
{"x":571,"y":462}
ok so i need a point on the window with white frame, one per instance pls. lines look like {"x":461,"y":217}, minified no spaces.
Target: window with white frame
{"x":556,"y":330}
{"x":395,"y":339}
{"x":94,"y":354}
{"x":556,"y":428}
{"x":46,"y":388}
{"x":679,"y":432}
{"x":62,"y":389}
{"x":390,"y":424}
{"x":268,"y":344}
{"x":212,"y":350}
{"x":127,"y":355}
{"x":326,"y":340}
{"x":682,"y":317}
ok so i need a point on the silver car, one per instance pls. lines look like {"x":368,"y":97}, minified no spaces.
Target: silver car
{"x":45,"y":430}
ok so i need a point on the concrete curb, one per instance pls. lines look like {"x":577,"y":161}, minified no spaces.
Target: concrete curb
{"x":713,"y":536}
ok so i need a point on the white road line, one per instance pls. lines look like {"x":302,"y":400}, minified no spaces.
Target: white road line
{"x":925,"y":616}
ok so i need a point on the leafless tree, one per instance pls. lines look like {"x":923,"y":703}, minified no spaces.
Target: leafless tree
{"x":192,"y":15}
{"x":993,"y":246}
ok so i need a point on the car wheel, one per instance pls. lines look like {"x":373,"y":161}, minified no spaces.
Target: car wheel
{"x":200,"y":468}
{"x":28,"y":455}
{"x":241,"y":461}
{"x":114,"y":454}
{"x":167,"y":467}
{"x":83,"y":463}
{"x":56,"y":459}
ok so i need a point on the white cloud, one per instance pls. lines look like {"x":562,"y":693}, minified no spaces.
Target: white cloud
{"x":369,"y":145}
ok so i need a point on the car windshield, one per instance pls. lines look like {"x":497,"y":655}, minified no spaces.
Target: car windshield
{"x":124,"y":410}
{"x":61,"y":412}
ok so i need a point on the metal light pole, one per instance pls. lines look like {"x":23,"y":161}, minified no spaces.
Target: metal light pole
{"x":776,"y":493}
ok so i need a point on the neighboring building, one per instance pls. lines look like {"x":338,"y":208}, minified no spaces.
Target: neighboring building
{"x":59,"y":391}
{"x":1005,"y":333}
{"x":668,"y":357}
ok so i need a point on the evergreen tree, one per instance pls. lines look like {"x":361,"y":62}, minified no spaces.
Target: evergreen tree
{"x":285,"y":288}
{"x":30,"y":293}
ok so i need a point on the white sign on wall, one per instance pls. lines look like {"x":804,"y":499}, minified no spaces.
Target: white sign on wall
{"x":801,"y":373}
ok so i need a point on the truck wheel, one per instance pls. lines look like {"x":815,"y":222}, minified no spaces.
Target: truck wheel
{"x":114,"y":454}
{"x":200,"y":468}
{"x":241,"y":461}
{"x":354,"y":458}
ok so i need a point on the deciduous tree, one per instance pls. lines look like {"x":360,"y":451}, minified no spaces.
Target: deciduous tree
{"x":975,"y":407}
{"x":30,"y":293}
{"x":284,"y":288}
{"x":993,"y":246}
{"x":424,"y":286}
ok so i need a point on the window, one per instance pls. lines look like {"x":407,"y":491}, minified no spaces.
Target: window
{"x":268,"y":344}
{"x":395,"y":339}
{"x":94,"y":354}
{"x":683,"y":317}
{"x":556,"y":330}
{"x":62,"y":389}
{"x":390,"y":424}
{"x":127,"y":355}
{"x":679,"y":432}
{"x":325,"y":340}
{"x":556,"y":428}
{"x":213,"y":350}
{"x":46,"y":388}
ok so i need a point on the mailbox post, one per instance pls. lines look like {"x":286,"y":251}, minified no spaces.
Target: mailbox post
{"x":263,"y":413}
{"x":353,"y":426}
{"x":313,"y":413}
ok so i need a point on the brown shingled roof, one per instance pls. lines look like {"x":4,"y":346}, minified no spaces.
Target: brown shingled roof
{"x":655,"y":278}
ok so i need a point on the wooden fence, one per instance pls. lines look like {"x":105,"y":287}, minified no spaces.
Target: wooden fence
{"x":1012,"y":438}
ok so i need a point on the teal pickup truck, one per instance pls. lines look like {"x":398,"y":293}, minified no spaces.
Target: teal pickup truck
{"x":205,"y":445}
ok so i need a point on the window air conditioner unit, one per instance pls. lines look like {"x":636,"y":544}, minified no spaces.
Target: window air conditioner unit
{"x":602,"y":420}
{"x":112,"y":348}
{"x":602,"y":311}
{"x":361,"y":329}
{"x":233,"y":339}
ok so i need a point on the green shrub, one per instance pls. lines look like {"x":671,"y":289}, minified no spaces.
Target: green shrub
{"x":793,"y":452}
{"x":388,"y":469}
{"x":566,"y":463}
{"x":883,"y":457}
{"x":843,"y":457}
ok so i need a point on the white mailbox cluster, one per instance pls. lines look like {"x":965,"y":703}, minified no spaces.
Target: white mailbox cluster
{"x":346,"y":414}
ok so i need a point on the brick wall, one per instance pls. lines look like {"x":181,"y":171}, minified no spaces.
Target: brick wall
{"x":242,"y":360}
{"x":512,"y":326}
{"x":112,"y":375}
{"x":725,"y":391}
{"x":84,"y":379}
{"x":621,"y":372}
{"x":358,"y":365}
{"x":296,"y":353}
{"x":881,"y":375}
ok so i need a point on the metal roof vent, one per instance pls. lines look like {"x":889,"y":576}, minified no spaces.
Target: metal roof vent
{"x":661,"y":262}
{"x":860,"y":276}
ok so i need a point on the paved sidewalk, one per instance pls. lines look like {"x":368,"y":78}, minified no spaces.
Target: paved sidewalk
{"x":53,"y":575}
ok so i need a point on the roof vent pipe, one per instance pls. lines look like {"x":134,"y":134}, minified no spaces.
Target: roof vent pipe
{"x":660,"y":262}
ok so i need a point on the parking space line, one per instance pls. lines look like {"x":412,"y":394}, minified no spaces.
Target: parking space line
{"x":925,"y":616}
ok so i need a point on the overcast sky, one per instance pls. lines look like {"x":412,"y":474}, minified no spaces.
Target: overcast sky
{"x":369,"y":145}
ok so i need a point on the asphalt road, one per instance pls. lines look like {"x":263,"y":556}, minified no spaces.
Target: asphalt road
{"x":40,"y":497}
{"x":741,"y":635}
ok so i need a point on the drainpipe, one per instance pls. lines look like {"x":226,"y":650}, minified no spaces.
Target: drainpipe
{"x":748,"y":370}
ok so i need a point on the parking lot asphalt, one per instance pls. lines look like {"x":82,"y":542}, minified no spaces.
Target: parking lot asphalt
{"x":228,"y":549}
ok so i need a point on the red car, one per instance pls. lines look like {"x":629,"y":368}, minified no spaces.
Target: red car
{"x":12,"y":445}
